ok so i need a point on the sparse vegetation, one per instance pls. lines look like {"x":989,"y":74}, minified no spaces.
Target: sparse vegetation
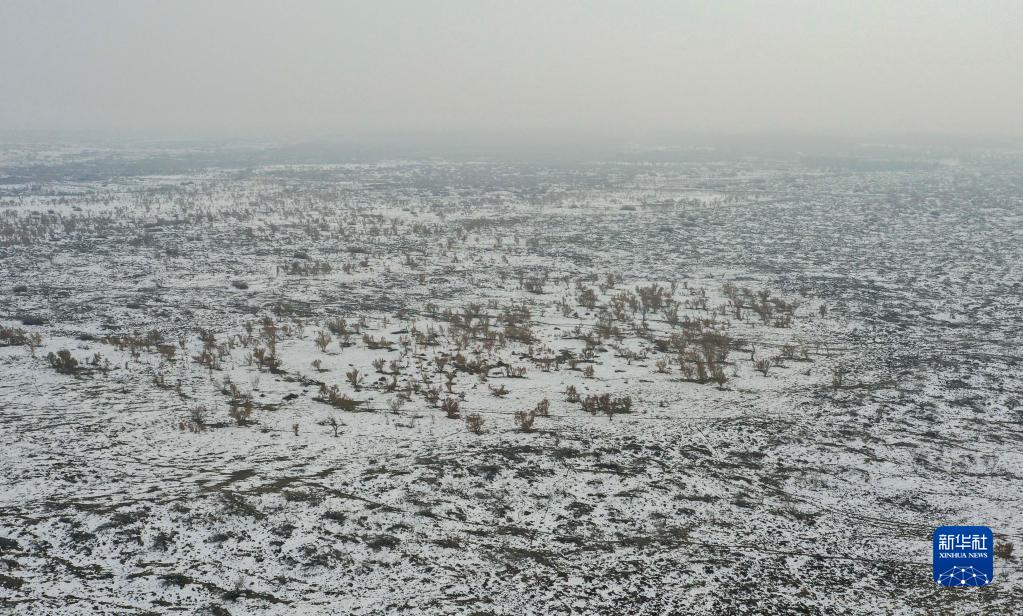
{"x":474,"y":423}
{"x":450,"y":406}
{"x":627,"y":350}
{"x":525,"y":420}
{"x":63,"y":362}
{"x":323,"y":339}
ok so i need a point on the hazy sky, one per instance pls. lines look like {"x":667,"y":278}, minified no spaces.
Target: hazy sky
{"x":305,"y":67}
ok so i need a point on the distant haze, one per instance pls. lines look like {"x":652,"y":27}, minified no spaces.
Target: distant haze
{"x":252,"y":68}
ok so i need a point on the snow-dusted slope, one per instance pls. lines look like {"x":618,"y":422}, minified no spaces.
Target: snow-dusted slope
{"x":755,"y":453}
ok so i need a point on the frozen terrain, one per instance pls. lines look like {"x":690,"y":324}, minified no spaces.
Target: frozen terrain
{"x":694,"y":385}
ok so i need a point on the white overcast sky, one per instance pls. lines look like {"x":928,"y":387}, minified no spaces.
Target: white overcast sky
{"x":310,"y":67}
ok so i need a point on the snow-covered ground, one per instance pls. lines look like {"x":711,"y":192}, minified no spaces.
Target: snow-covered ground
{"x":786,"y":376}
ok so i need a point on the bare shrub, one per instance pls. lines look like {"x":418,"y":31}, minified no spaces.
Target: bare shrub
{"x":63,"y":362}
{"x":333,"y":396}
{"x":377,"y":343}
{"x":588,"y":298}
{"x":167,"y":351}
{"x":32,"y":341}
{"x":1003,"y":549}
{"x":13,"y":337}
{"x":525,"y":420}
{"x":543,"y":408}
{"x":717,"y":374}
{"x":607,"y":404}
{"x":240,"y":410}
{"x":355,"y":378}
{"x":322,"y":340}
{"x":339,"y":327}
{"x":450,"y":406}
{"x":533,"y":285}
{"x":513,"y":372}
{"x":671,"y":314}
{"x":474,"y":423}
{"x":197,"y":416}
